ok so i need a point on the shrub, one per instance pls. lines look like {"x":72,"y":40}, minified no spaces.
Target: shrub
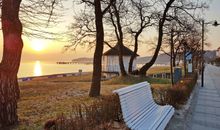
{"x":178,"y":94}
{"x":130,"y":79}
{"x":99,"y":115}
{"x":216,"y":61}
{"x":102,"y":112}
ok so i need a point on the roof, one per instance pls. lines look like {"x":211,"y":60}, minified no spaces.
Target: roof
{"x":114,"y":51}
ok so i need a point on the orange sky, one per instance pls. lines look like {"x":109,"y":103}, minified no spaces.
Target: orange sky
{"x":52,"y":50}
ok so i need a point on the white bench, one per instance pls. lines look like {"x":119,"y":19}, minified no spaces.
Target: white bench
{"x":139,"y":110}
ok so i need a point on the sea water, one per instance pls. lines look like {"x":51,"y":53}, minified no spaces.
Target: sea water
{"x":39,"y":68}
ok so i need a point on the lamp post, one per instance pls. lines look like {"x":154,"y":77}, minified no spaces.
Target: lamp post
{"x":202,"y":74}
{"x":215,"y":23}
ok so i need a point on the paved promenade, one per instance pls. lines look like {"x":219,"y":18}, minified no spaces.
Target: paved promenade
{"x":205,"y":107}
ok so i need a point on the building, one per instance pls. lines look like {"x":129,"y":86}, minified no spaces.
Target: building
{"x":218,"y":52}
{"x":110,"y":60}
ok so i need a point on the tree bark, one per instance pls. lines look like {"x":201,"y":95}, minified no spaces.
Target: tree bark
{"x":171,"y":57}
{"x":145,"y":21}
{"x":97,"y":60}
{"x":133,"y":56}
{"x":174,"y":60}
{"x":13,"y":44}
{"x":121,"y":62}
{"x":120,"y":41}
{"x":193,"y":65}
{"x":184,"y":62}
{"x":135,"y":51}
{"x":145,"y":68}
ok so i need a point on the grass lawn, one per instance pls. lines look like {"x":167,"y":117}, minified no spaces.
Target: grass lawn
{"x":45,"y":99}
{"x":159,"y":69}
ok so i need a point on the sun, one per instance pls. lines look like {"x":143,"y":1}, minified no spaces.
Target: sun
{"x":37,"y":45}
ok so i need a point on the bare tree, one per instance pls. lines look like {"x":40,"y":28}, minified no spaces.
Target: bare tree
{"x":162,"y":20}
{"x":99,"y":12}
{"x":82,"y":32}
{"x":12,"y":30}
{"x":12,"y":50}
{"x":97,"y":60}
{"x":118,"y":9}
{"x":186,"y":7}
{"x":142,"y":10}
{"x":172,"y":41}
{"x":177,"y":34}
{"x":88,"y":29}
{"x":192,"y":44}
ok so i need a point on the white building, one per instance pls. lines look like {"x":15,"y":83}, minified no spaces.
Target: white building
{"x":218,"y":52}
{"x":110,"y":60}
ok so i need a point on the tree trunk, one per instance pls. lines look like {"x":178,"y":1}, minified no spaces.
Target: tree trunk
{"x":147,"y":66}
{"x":97,"y":60}
{"x":171,"y":57}
{"x":120,"y":41}
{"x":193,"y":65}
{"x":174,"y":60}
{"x":196,"y":61}
{"x":171,"y":71}
{"x":184,"y":61}
{"x":135,"y":52}
{"x":13,"y":44}
{"x":130,"y":67}
{"x":121,"y":62}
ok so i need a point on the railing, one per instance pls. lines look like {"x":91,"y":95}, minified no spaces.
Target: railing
{"x":51,"y":76}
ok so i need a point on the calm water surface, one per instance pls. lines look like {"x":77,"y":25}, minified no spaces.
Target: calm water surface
{"x":38,"y":68}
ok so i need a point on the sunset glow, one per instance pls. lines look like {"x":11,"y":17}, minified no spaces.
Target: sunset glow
{"x":37,"y":45}
{"x":37,"y":69}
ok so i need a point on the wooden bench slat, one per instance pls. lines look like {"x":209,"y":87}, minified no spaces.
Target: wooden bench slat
{"x":133,"y":106}
{"x":136,"y":99}
{"x":130,"y":88}
{"x":139,"y":110}
{"x":143,"y":91}
{"x":132,"y":91}
{"x":137,"y":121}
{"x":153,"y":118}
{"x":164,"y":117}
{"x":166,"y":120}
{"x":136,"y":114}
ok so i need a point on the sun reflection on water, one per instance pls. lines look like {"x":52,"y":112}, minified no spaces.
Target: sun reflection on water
{"x":37,"y":69}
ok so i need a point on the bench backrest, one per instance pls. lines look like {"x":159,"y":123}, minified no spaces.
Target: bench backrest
{"x":135,"y":101}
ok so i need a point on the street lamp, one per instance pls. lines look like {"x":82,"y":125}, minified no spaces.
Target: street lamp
{"x":215,"y":23}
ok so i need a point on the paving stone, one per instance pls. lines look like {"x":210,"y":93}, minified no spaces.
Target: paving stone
{"x":206,"y":107}
{"x":201,"y":127}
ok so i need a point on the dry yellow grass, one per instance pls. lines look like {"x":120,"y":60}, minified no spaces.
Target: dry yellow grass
{"x":44,"y":99}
